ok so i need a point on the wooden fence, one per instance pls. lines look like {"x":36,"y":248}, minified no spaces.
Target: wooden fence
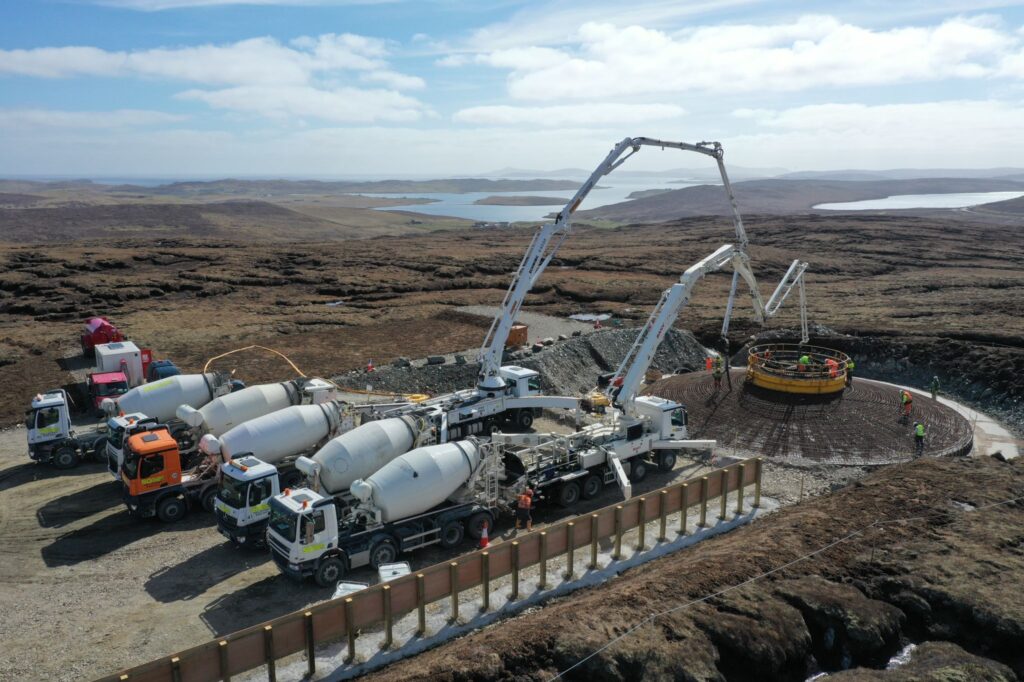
{"x":338,"y":619}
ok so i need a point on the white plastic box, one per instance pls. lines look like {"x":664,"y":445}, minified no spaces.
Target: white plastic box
{"x":123,"y":356}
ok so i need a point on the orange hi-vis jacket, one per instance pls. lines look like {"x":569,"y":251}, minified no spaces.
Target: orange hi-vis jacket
{"x":525,"y":501}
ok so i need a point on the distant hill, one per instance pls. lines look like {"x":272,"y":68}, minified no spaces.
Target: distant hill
{"x":782,"y":197}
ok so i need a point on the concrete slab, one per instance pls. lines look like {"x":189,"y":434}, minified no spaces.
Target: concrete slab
{"x":330,"y":659}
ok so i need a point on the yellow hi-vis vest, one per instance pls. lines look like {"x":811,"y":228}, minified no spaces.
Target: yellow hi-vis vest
{"x":919,"y":430}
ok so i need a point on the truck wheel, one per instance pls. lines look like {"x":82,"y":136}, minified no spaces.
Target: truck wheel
{"x":384,"y":552}
{"x":330,"y":571}
{"x":476,"y":522}
{"x":569,"y":494}
{"x":637,"y":470}
{"x":292,"y":479}
{"x":452,"y":534}
{"x":99,"y":450}
{"x":170,"y":509}
{"x":667,"y":461}
{"x":592,"y":486}
{"x":65,"y":457}
{"x":524,"y":419}
{"x":208,"y":498}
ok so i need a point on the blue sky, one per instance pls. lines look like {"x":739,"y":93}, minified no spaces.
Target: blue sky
{"x":329,"y":88}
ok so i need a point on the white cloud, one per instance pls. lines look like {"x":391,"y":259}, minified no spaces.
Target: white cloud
{"x":929,"y":134}
{"x":50,"y":118}
{"x":313,"y":77}
{"x":398,"y":81}
{"x":813,"y":51}
{"x":255,"y":60}
{"x":571,"y":114}
{"x":285,"y":102}
{"x":157,"y":5}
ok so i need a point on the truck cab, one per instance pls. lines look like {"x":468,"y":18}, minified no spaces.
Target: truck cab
{"x":119,"y":429}
{"x":161,"y":369}
{"x":667,"y":418}
{"x":49,"y":427}
{"x":104,"y":385}
{"x":520,"y":382}
{"x":242,"y":506}
{"x":303,"y":537}
{"x":153,"y":483}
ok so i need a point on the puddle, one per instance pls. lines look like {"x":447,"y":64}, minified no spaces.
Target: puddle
{"x":590,"y":317}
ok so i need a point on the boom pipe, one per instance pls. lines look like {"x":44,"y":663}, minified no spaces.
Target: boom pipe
{"x":550,"y":236}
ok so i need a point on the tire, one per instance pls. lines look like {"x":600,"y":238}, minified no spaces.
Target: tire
{"x":524,"y":419}
{"x":65,"y":457}
{"x":330,"y":571}
{"x":171,"y":509}
{"x":452,"y":534}
{"x":569,"y":494}
{"x":667,"y":460}
{"x":475,"y":524}
{"x":592,"y":486}
{"x":383,"y":552}
{"x":99,"y":450}
{"x":208,"y":498}
{"x":637,"y":470}
{"x":292,"y":479}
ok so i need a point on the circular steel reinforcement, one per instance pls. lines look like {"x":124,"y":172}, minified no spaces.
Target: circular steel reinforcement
{"x":860,"y":426}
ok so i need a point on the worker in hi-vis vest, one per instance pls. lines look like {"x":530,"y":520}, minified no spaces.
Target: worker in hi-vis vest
{"x":906,"y":403}
{"x":918,"y":438}
{"x":849,"y":372}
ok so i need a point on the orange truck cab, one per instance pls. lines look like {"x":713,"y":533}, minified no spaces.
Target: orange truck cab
{"x":153,"y":483}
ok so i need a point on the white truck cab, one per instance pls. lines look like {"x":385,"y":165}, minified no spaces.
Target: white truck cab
{"x":519,"y":381}
{"x":118,"y":430}
{"x":303,"y":538}
{"x":243,"y":502}
{"x":51,"y":435}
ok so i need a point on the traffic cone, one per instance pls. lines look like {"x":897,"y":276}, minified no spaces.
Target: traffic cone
{"x":484,"y":540}
{"x":369,"y":366}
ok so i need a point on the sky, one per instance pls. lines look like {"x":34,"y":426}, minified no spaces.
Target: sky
{"x":350,"y":88}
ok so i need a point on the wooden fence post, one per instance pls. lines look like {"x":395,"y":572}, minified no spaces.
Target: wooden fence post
{"x":453,"y":575}
{"x":543,"y":560}
{"x":350,"y":630}
{"x":759,"y":467}
{"x":310,"y":645}
{"x":268,"y":651}
{"x":703,"y":502}
{"x":641,"y":515}
{"x":618,"y":532}
{"x":724,"y":499}
{"x":421,"y":604}
{"x":515,"y":571}
{"x":594,"y":519}
{"x":222,"y":653}
{"x":176,"y":669}
{"x":485,"y":578}
{"x":570,"y":566}
{"x":663,"y":516}
{"x":389,"y":619}
{"x":739,"y":489}
{"x":683,"y":508}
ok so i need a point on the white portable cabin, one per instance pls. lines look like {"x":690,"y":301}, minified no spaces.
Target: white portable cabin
{"x":122,"y":356}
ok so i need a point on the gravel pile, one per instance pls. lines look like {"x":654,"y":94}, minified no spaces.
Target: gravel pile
{"x":567,"y":367}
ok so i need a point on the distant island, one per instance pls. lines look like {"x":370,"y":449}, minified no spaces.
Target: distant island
{"x":499,"y":200}
{"x":641,"y":193}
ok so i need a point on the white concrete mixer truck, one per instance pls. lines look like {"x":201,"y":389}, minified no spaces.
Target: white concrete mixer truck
{"x":261,"y":457}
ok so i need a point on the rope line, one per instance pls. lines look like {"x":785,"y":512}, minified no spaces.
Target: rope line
{"x":767,"y":573}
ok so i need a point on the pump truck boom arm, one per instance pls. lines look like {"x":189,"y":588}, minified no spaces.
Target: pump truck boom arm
{"x":638,"y":360}
{"x":794,"y":277}
{"x":550,"y":236}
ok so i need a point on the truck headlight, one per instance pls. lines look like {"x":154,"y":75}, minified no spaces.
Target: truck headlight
{"x":294,"y":567}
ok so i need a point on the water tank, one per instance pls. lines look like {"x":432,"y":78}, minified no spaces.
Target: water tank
{"x":161,"y":399}
{"x":419,"y":480}
{"x":280,"y":434}
{"x":363,"y":450}
{"x":222,"y":414}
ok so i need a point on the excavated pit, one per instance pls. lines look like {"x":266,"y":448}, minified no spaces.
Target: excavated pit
{"x":860,"y":426}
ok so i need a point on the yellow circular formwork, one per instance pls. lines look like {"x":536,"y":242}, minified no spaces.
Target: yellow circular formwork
{"x":778,"y":367}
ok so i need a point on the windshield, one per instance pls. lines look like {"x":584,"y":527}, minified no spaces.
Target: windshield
{"x":283,"y":521}
{"x":113,"y":388}
{"x":232,"y":491}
